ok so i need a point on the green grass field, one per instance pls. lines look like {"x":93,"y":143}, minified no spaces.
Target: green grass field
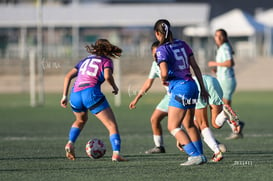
{"x":32,"y":143}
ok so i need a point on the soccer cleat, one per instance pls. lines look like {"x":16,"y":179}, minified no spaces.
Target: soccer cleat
{"x":159,"y":149}
{"x":193,"y":160}
{"x":222,"y":148}
{"x":239,"y":134}
{"x":70,"y":151}
{"x":232,"y":117}
{"x":217,"y":157}
{"x":118,"y":158}
{"x":204,"y":159}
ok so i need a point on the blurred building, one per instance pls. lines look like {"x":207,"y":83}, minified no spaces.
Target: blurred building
{"x":67,"y":26}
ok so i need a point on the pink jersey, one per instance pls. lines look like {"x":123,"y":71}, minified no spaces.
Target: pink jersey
{"x":91,"y":72}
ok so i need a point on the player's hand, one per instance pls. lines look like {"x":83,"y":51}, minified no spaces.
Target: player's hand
{"x":132,"y":105}
{"x":63,"y":102}
{"x":165,"y":83}
{"x":179,"y":146}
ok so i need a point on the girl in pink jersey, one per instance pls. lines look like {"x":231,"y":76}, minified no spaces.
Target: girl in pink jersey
{"x":86,"y":94}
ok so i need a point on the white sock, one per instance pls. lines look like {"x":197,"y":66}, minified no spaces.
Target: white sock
{"x":115,"y":152}
{"x":210,"y":140}
{"x":158,"y":140}
{"x":220,"y":119}
{"x":232,"y":127}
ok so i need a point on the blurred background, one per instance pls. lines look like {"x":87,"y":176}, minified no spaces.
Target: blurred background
{"x":40,"y":40}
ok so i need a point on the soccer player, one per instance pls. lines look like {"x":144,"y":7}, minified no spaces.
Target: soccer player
{"x":226,"y":76}
{"x":86,"y":94}
{"x":161,"y":111}
{"x":201,"y":121}
{"x":175,"y":57}
{"x":217,"y":114}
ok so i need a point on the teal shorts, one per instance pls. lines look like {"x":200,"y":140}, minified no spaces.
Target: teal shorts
{"x":163,"y":104}
{"x":228,"y":86}
{"x":215,"y":91}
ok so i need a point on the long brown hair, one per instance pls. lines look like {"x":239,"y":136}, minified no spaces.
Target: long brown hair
{"x":163,"y":26}
{"x":225,"y":38}
{"x":103,"y":47}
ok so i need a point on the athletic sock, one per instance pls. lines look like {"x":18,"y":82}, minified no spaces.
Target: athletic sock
{"x":190,"y":149}
{"x":115,"y":142}
{"x":210,"y":140}
{"x":199,"y":146}
{"x":158,"y":140}
{"x":220,"y":119}
{"x":74,"y":133}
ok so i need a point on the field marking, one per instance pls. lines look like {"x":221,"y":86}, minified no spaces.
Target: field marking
{"x":25,"y":138}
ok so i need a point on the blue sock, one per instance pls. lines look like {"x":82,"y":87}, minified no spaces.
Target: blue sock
{"x":74,"y":133}
{"x":199,"y":146}
{"x":191,"y":150}
{"x":115,"y":142}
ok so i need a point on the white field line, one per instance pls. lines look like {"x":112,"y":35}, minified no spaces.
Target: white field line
{"x":25,"y":138}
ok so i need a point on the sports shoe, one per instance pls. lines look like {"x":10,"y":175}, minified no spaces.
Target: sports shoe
{"x":232,"y":117}
{"x":118,"y":158}
{"x":222,"y":147}
{"x":204,"y":159}
{"x":238,"y":135}
{"x":217,"y":157}
{"x":70,"y":151}
{"x":159,"y":149}
{"x":193,"y":160}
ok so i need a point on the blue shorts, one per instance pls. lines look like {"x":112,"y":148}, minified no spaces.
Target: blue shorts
{"x":184,"y":94}
{"x":90,"y":98}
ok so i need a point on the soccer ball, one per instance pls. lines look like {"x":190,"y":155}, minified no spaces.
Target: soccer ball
{"x":95,"y":148}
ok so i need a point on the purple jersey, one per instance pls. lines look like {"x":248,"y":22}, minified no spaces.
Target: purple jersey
{"x":91,"y":72}
{"x":176,"y":55}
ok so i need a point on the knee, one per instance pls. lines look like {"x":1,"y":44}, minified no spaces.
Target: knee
{"x":174,"y":131}
{"x":215,"y":125}
{"x":79,"y":123}
{"x":154,"y":121}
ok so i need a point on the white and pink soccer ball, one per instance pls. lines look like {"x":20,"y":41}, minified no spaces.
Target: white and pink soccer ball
{"x":95,"y":148}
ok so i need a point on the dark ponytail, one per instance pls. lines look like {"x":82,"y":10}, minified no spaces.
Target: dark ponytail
{"x":163,"y":26}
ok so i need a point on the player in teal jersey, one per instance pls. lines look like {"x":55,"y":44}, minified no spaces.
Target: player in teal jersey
{"x":226,"y":76}
{"x":218,"y":116}
{"x":160,"y":112}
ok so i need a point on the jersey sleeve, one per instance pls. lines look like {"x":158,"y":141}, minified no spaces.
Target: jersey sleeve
{"x":161,"y":55}
{"x":108,"y":63}
{"x":78,"y":65}
{"x":153,"y":71}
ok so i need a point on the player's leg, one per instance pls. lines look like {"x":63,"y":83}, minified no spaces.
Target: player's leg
{"x":81,"y":116}
{"x":182,"y":103}
{"x":192,"y":130}
{"x":75,"y":130}
{"x":158,"y":115}
{"x":106,"y":116}
{"x":156,"y":119}
{"x":174,"y":126}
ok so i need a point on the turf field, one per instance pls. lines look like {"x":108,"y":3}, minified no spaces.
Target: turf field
{"x":32,"y":143}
